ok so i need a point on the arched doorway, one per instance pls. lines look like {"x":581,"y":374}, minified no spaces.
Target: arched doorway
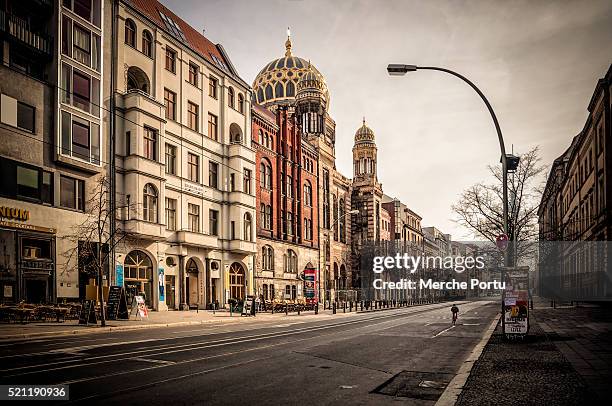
{"x":139,"y":276}
{"x":192,"y":282}
{"x":236,"y":285}
{"x":137,"y":80}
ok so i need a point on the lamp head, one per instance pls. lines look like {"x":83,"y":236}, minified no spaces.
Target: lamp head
{"x":398,"y":69}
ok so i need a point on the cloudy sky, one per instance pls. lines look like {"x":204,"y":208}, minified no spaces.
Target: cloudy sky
{"x":537,"y":62}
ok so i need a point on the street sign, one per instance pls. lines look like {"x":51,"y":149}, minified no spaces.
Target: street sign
{"x":502,"y":242}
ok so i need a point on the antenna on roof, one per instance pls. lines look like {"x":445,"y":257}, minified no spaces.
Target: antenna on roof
{"x":203,"y":31}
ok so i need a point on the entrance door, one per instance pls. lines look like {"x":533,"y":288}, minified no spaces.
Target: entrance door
{"x":36,"y":291}
{"x":170,"y":301}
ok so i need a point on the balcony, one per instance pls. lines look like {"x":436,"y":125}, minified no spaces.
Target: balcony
{"x":243,"y":247}
{"x":19,"y":29}
{"x":145,"y":229}
{"x":196,"y":239}
{"x":241,"y":151}
{"x":135,"y":99}
{"x":242,"y":198}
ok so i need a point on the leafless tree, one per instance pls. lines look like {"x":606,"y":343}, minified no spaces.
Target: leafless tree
{"x":480,"y":207}
{"x":93,"y":236}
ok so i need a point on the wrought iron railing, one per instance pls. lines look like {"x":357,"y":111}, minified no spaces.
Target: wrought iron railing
{"x":19,"y":29}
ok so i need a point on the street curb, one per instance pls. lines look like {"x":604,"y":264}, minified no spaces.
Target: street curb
{"x":453,"y":390}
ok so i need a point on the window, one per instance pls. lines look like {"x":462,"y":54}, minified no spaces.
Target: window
{"x":267,"y":258}
{"x":266,"y":216}
{"x":80,"y":43}
{"x":213,"y":174}
{"x":212,"y":127}
{"x":25,"y":117}
{"x":193,"y":166}
{"x":289,"y":223}
{"x":170,"y":60}
{"x":150,"y":143}
{"x":170,"y":214}
{"x":130,"y":33}
{"x":212,"y":87}
{"x":289,"y":186}
{"x":232,"y":230}
{"x":193,"y":116}
{"x":147,"y":44}
{"x":290,"y":261}
{"x":20,"y":181}
{"x":232,"y":185}
{"x":247,"y":181}
{"x":307,"y":194}
{"x":240,"y":103}
{"x":231,"y":97}
{"x":171,"y":159}
{"x":193,"y":217}
{"x":193,"y":74}
{"x":72,"y":193}
{"x":170,"y":104}
{"x":80,"y":138}
{"x":213,"y":222}
{"x":128,"y":143}
{"x":149,"y":203}
{"x":307,"y":229}
{"x":80,"y":90}
{"x":265,"y":175}
{"x":248,"y":227}
{"x":87,"y":9}
{"x":342,"y":221}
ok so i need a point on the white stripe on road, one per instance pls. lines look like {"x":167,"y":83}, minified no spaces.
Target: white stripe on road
{"x":444,"y":331}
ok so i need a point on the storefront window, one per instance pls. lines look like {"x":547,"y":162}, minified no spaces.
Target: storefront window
{"x":139,"y":275}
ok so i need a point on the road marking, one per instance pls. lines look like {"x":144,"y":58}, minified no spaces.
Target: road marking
{"x":198,"y":346}
{"x":155,"y":361}
{"x":444,"y":331}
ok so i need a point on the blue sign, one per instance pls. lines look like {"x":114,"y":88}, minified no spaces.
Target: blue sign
{"x":162,"y":284}
{"x":119,"y":274}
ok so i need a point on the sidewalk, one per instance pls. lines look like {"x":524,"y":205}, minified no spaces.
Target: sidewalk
{"x":565,"y":360}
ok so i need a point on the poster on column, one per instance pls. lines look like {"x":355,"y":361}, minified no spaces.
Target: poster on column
{"x":516,"y":301}
{"x":162,"y":283}
{"x":119,"y":274}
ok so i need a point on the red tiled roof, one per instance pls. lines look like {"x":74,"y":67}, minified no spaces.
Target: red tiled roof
{"x":264,"y":112}
{"x":195,"y":40}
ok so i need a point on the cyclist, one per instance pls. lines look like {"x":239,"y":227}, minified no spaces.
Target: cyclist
{"x":454,"y":311}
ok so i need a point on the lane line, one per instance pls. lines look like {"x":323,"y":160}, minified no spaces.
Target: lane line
{"x":444,"y":331}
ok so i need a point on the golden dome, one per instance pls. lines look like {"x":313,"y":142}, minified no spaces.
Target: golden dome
{"x":277,"y":82}
{"x":364,"y":134}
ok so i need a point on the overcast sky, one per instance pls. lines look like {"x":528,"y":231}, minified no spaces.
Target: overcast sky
{"x":537,"y":63}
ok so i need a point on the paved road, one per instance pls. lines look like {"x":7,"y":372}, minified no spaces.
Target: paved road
{"x":368,"y":358}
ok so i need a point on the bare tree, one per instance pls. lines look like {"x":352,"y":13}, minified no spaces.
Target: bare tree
{"x":93,"y":238}
{"x":480,"y":207}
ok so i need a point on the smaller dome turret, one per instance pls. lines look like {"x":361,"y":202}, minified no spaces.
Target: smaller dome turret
{"x":364,"y":134}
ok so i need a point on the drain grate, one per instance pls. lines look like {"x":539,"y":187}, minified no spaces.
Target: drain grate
{"x":415,"y":385}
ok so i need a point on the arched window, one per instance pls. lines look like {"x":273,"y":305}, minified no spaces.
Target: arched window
{"x":236,"y":277}
{"x":247,"y":227}
{"x":235,"y":134}
{"x":149,"y":203}
{"x":260,"y":137}
{"x":137,"y":80}
{"x":279,"y":90}
{"x":240,"y":103}
{"x":230,"y":97}
{"x":269,"y":217}
{"x":265,"y":291}
{"x":130,"y":33}
{"x":293,"y":292}
{"x":265,"y":174}
{"x":291,"y":261}
{"x":335,"y":216}
{"x":147,"y":44}
{"x":269,"y":94}
{"x":343,"y":279}
{"x":267,"y":258}
{"x":260,"y":95}
{"x":307,"y":193}
{"x":138,"y":275}
{"x":290,"y":89}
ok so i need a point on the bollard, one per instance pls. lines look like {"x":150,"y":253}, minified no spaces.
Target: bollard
{"x":317,"y":308}
{"x":343,"y":307}
{"x":231,"y":308}
{"x":350,"y":306}
{"x":361,"y":304}
{"x":299,"y":307}
{"x":334,"y":308}
{"x":286,"y":309}
{"x":375,"y":304}
{"x":272,"y":307}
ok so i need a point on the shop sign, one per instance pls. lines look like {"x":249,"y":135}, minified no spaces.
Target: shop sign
{"x":14,"y":213}
{"x":119,"y":274}
{"x":38,"y":265}
{"x":27,"y":227}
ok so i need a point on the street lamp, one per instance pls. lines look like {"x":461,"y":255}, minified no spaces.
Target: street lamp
{"x":507,"y":161}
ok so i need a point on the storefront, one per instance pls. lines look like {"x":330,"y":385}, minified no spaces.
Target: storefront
{"x":138,"y":276}
{"x":27,"y":264}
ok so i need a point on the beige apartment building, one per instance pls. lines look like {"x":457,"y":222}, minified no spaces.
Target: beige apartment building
{"x":185,"y":166}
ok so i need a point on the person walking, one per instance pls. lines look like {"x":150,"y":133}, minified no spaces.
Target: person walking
{"x":454,"y":311}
